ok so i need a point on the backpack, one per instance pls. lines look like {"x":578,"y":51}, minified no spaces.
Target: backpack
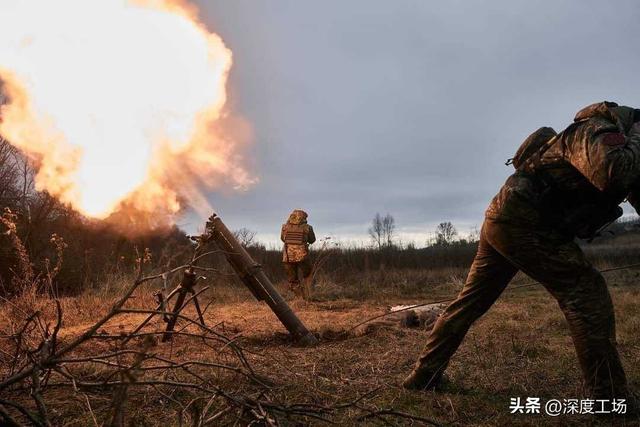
{"x":528,"y":156}
{"x":583,"y":219}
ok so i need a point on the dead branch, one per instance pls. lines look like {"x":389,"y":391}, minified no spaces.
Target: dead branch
{"x":391,"y":412}
{"x":6,"y":418}
{"x":28,"y":415}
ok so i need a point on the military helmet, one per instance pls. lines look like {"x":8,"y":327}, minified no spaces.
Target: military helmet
{"x":298,"y":216}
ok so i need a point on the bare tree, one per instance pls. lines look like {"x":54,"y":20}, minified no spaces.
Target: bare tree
{"x":245,"y":236}
{"x":9,"y":174}
{"x":376,"y":230}
{"x":382,"y":230}
{"x":445,"y":233}
{"x":388,"y":230}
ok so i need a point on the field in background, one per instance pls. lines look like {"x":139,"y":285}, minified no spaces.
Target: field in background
{"x":520,"y":349}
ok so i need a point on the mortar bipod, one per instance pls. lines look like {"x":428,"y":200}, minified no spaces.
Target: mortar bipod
{"x":186,"y":286}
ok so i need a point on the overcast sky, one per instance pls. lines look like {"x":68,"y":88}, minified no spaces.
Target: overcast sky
{"x":407,"y":107}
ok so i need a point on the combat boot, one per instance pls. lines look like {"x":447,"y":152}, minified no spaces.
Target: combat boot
{"x":422,"y":379}
{"x":294,"y":286}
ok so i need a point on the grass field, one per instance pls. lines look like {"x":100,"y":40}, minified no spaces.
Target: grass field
{"x":521,"y":348}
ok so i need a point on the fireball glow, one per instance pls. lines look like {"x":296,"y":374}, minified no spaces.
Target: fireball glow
{"x":105,"y":95}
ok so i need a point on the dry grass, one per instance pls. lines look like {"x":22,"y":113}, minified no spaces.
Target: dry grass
{"x":520,"y":348}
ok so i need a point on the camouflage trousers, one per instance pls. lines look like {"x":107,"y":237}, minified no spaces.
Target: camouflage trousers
{"x":294,"y":270}
{"x":560,"y":265}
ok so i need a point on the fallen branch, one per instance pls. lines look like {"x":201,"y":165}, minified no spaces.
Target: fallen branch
{"x":391,"y":412}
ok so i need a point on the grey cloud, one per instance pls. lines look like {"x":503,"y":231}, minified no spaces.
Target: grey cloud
{"x":408,"y":107}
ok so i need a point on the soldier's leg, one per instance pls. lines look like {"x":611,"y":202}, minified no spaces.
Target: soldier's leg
{"x":306,"y":285}
{"x":305,"y":267}
{"x":294,"y":283}
{"x":581,"y":292}
{"x":301,"y":280}
{"x":292,"y":274}
{"x":489,"y":275}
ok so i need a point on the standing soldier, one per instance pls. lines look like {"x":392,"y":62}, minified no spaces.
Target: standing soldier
{"x":566,"y":185}
{"x":297,"y":235}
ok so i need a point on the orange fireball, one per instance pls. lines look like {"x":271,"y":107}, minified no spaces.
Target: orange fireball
{"x":108,"y":96}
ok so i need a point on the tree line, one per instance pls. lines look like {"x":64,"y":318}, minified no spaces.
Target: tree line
{"x":382,"y":233}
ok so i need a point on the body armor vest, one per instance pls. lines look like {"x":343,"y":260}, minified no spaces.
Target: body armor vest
{"x":294,"y":234}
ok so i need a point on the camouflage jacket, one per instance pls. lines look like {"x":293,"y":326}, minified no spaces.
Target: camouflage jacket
{"x":594,"y":161}
{"x":297,"y":235}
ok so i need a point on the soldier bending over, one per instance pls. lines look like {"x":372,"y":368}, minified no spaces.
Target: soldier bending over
{"x":566,"y":185}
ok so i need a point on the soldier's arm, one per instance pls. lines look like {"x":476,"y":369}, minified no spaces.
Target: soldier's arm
{"x":609,"y":160}
{"x":312,"y":236}
{"x":282,"y":233}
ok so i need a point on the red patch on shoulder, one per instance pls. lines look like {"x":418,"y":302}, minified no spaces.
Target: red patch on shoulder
{"x":613,"y":139}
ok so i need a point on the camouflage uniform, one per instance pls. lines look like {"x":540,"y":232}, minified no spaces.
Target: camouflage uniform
{"x":297,"y":235}
{"x":595,"y":160}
